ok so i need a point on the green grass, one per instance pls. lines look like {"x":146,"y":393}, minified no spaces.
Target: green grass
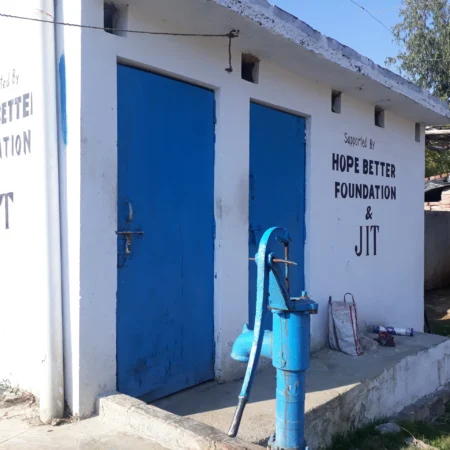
{"x":436,"y":434}
{"x":441,"y":328}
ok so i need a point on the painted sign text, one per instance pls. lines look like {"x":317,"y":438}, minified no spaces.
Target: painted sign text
{"x":14,"y":109}
{"x":5,"y":205}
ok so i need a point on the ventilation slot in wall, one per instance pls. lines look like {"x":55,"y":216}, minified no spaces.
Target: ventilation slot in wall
{"x":379,"y":117}
{"x":115,"y":17}
{"x":250,"y":68}
{"x":336,"y":97}
{"x":418,"y":132}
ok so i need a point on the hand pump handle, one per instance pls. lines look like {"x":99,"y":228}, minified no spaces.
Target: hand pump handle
{"x":263,"y":271}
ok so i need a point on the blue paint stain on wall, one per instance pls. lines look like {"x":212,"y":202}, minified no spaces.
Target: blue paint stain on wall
{"x":63,"y":97}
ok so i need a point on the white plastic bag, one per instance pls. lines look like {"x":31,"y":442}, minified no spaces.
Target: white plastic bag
{"x":343,"y":327}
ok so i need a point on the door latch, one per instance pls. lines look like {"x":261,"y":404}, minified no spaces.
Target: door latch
{"x":129,"y":238}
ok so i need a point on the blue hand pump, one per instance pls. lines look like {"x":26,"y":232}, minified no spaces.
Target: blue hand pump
{"x":287,"y":345}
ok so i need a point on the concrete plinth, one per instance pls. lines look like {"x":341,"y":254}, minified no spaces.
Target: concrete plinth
{"x":342,"y":391}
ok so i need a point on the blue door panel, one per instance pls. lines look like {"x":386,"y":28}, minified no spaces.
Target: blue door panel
{"x":277,"y":189}
{"x":165,"y":335}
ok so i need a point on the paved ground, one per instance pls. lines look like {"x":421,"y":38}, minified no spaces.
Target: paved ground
{"x":89,"y":434}
{"x":20,"y":428}
{"x":331,"y":375}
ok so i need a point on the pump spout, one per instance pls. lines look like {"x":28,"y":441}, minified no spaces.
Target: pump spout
{"x":243,"y":345}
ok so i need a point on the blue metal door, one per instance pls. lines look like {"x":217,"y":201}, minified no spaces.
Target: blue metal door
{"x":277,"y":189}
{"x":165,"y":336}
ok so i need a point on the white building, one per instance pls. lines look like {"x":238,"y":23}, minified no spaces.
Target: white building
{"x":158,"y":137}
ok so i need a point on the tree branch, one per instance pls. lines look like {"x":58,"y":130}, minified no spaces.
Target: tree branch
{"x":436,"y":148}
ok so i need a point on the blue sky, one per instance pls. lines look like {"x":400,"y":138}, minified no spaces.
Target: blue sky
{"x":350,"y":25}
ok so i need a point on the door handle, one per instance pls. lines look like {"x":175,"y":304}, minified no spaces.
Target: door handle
{"x":130,"y":212}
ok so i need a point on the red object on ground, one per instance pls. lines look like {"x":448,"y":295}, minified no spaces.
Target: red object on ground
{"x":385,"y":339}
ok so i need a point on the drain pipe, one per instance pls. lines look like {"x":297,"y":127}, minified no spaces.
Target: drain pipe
{"x":51,"y":404}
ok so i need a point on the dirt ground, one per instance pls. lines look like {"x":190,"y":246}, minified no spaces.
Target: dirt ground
{"x":437,"y":306}
{"x":17,"y":404}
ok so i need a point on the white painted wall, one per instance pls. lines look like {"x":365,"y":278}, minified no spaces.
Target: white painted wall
{"x":25,"y":242}
{"x":388,"y":287}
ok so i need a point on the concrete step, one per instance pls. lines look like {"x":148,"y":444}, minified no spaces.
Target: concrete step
{"x":342,"y":391}
{"x":167,"y":429}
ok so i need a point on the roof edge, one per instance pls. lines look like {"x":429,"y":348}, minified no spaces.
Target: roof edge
{"x":281,"y":23}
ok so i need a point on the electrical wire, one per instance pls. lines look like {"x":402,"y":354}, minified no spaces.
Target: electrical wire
{"x":230,"y":35}
{"x":374,"y":17}
{"x":390,"y":29}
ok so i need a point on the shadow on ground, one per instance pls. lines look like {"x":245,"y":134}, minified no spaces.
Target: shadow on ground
{"x":329,"y":370}
{"x":330,"y":373}
{"x":331,"y":376}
